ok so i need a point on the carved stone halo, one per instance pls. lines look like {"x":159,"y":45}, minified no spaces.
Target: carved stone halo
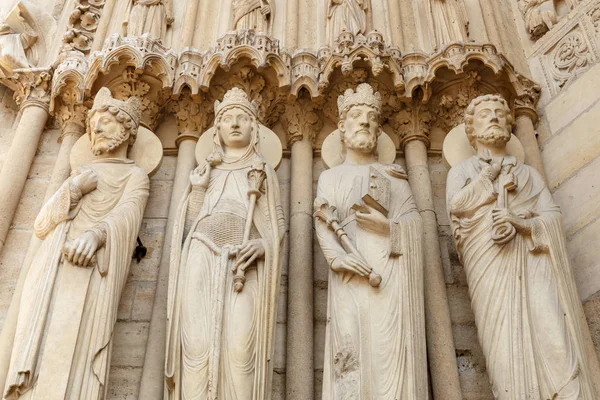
{"x":333,"y":155}
{"x":269,"y":145}
{"x":456,"y":147}
{"x":147,"y":151}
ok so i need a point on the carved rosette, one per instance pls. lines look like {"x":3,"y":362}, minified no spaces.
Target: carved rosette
{"x":571,"y":56}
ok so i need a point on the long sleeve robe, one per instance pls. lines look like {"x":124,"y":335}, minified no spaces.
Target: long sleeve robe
{"x":523,"y":295}
{"x":375,"y":337}
{"x":219,"y":341}
{"x":67,"y":314}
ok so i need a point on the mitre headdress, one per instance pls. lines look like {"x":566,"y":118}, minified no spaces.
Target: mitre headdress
{"x":236,"y":97}
{"x":364,"y":95}
{"x":131,"y":107}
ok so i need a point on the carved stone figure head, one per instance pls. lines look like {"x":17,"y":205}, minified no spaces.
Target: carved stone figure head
{"x":359,"y":118}
{"x":112,"y":123}
{"x":236,"y":121}
{"x":488,"y":121}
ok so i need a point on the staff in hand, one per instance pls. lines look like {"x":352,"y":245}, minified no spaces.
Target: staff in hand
{"x":328,"y":214}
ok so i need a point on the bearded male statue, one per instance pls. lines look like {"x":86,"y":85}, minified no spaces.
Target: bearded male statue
{"x":68,"y":308}
{"x":510,"y":240}
{"x":225,"y":266}
{"x":372,"y":241}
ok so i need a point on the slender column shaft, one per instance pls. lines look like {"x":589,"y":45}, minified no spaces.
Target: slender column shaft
{"x":189,"y":23}
{"x":440,"y":343}
{"x":525,"y":132}
{"x":102,"y":30}
{"x":151,"y":386}
{"x":18,"y":161}
{"x":300,"y":337}
{"x":61,"y":171}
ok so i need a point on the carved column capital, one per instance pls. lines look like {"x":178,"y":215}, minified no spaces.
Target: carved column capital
{"x":301,"y":121}
{"x":71,"y":116}
{"x":193,"y":117}
{"x":32,"y":87}
{"x":413,"y":123}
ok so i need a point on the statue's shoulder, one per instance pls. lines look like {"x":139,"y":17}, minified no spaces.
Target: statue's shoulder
{"x":395,"y":171}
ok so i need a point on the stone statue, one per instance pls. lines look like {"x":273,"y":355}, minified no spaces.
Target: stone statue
{"x":150,"y":17}
{"x":370,"y":232}
{"x":89,"y":228}
{"x":510,"y":240}
{"x":540,"y":16}
{"x":225,"y":266}
{"x":13,"y":49}
{"x":450,"y":21}
{"x":253,"y":14}
{"x":346,"y":15}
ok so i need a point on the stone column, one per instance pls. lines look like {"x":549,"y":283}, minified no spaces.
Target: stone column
{"x":302,"y":124}
{"x":191,"y":120}
{"x":440,"y":343}
{"x":33,"y":97}
{"x":525,"y":119}
{"x":103,"y":25}
{"x":72,"y":120}
{"x":189,"y":23}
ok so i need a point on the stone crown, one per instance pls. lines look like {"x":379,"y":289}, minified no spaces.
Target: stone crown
{"x":364,"y":95}
{"x":132,"y":106}
{"x":236,"y":97}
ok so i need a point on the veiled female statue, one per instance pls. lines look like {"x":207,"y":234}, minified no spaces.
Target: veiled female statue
{"x":346,"y":15}
{"x":225,"y":267}
{"x":510,"y":240}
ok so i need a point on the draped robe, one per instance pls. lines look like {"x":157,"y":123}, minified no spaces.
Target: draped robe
{"x":247,"y":15}
{"x":63,"y":341}
{"x":375,"y":337}
{"x":526,"y":306}
{"x":450,"y":21}
{"x":149,"y":16}
{"x":215,"y":334}
{"x":346,"y":15}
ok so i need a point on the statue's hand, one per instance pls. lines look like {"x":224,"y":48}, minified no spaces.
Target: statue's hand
{"x":248,"y":253}
{"x":265,"y":9}
{"x":373,"y":221}
{"x":350,"y":263}
{"x":201,"y":177}
{"x":504,"y":215}
{"x":85,"y":182}
{"x":81,"y":250}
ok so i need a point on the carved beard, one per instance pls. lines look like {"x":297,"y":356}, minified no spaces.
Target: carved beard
{"x":493,"y":137}
{"x":99,"y":148}
{"x":360,"y":141}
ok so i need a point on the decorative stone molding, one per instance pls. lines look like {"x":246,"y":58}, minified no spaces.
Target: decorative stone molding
{"x":70,"y":113}
{"x":350,"y":50}
{"x":540,"y":16}
{"x":144,"y":54}
{"x":70,"y":72}
{"x":301,"y":120}
{"x":571,"y":56}
{"x":413,"y":123}
{"x":32,"y":87}
{"x":83,"y":23}
{"x":193,"y":115}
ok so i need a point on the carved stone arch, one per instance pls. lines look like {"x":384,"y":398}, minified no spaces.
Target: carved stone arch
{"x":368,"y":51}
{"x":305,"y":73}
{"x":70,"y":73}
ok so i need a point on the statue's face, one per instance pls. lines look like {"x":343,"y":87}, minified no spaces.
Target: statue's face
{"x":235,"y":128}
{"x":106,"y":133}
{"x":360,"y":128}
{"x":490,"y":123}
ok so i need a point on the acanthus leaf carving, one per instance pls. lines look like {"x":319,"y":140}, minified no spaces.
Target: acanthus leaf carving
{"x":449,"y":108}
{"x":301,"y":120}
{"x":83,"y":23}
{"x":571,"y":56}
{"x":193,"y":116}
{"x":32,"y":86}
